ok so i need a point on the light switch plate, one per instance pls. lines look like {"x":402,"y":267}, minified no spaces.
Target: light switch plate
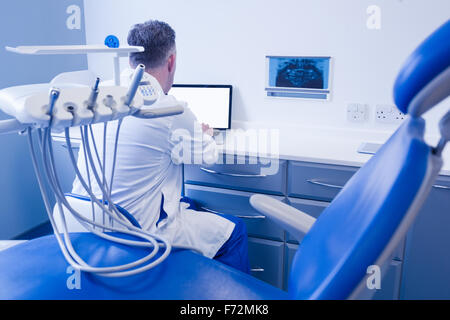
{"x":357,"y":112}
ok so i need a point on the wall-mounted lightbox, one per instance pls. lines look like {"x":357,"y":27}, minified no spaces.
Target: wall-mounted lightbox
{"x":298,"y":77}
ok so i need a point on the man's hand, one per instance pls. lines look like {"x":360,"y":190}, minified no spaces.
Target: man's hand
{"x":207,"y":129}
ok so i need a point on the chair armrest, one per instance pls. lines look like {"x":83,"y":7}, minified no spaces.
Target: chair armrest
{"x":294,"y":221}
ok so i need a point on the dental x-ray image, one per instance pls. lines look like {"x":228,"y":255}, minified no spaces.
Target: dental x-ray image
{"x":299,"y":72}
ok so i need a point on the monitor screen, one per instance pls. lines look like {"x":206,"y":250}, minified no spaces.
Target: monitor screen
{"x":211,"y":104}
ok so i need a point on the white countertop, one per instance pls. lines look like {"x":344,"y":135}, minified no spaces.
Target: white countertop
{"x":325,"y":145}
{"x":311,"y":144}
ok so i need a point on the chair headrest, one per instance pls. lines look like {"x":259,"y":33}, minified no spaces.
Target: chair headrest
{"x":425,"y":74}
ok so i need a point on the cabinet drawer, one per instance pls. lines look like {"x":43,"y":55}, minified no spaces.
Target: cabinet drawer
{"x":250,"y":176}
{"x":235,"y":203}
{"x":311,"y":207}
{"x":317,"y":181}
{"x":266,"y":260}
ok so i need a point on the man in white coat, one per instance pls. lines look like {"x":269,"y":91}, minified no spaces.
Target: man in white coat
{"x":148,"y":173}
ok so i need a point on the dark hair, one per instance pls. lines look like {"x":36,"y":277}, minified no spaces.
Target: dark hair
{"x":157,"y":37}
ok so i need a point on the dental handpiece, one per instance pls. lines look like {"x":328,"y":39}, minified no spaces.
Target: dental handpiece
{"x":134,"y":85}
{"x":53,"y":96}
{"x":94,"y":94}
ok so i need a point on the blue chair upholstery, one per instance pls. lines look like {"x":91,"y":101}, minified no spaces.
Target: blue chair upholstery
{"x":38,"y":270}
{"x":359,"y":228}
{"x":423,"y":65}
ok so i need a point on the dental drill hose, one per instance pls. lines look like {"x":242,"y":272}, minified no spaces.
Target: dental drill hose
{"x":65,"y":245}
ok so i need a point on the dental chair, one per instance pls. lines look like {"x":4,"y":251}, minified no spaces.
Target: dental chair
{"x":360,"y":228}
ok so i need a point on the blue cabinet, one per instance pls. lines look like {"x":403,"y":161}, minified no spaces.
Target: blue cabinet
{"x":426,"y":271}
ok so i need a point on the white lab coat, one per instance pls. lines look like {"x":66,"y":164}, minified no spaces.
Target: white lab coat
{"x":148,"y":165}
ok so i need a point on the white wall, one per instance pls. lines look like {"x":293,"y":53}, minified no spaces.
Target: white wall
{"x":22,"y":23}
{"x":225,"y":42}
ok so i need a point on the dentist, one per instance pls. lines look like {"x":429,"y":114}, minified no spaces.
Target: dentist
{"x":148,"y":172}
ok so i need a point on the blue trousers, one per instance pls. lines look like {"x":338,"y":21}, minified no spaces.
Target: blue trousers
{"x":234,"y":252}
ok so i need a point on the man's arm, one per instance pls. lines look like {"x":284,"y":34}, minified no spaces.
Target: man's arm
{"x":192,"y":142}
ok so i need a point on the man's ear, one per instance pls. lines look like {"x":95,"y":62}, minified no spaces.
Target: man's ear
{"x":171,"y":62}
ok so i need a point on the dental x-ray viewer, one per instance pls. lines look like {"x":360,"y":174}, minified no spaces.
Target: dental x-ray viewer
{"x":147,"y":174}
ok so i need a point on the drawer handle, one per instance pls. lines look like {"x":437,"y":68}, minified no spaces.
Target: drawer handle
{"x":244,"y":217}
{"x":437,"y":186}
{"x":312,"y":181}
{"x":257,"y":270}
{"x":240,"y":175}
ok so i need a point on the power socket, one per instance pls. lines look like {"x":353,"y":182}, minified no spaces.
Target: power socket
{"x":388,"y":114}
{"x":397,"y":115}
{"x":357,"y":112}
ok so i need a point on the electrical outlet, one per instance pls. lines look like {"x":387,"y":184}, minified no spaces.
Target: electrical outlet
{"x":388,"y":114}
{"x":397,"y":116}
{"x":357,"y":112}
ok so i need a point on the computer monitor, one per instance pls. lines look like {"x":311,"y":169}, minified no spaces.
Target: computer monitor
{"x":211,"y":104}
